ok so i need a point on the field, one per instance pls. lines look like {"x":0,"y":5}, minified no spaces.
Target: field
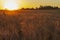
{"x":30,"y":25}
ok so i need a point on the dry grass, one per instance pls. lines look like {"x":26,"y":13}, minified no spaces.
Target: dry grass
{"x":30,"y":25}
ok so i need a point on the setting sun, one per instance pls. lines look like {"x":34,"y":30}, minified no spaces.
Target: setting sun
{"x":10,"y":5}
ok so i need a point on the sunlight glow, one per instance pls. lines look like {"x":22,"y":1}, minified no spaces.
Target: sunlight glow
{"x":10,"y":5}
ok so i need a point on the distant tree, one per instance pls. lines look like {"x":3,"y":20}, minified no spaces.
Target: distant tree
{"x":22,"y":8}
{"x":37,"y":8}
{"x":32,"y":8}
{"x":47,"y":7}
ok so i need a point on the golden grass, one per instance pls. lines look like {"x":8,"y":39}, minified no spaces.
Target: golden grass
{"x":30,"y":25}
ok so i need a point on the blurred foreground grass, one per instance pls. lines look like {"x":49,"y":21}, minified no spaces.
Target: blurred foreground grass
{"x":30,"y":25}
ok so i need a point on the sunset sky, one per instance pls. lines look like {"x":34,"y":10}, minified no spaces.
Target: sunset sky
{"x":31,"y":3}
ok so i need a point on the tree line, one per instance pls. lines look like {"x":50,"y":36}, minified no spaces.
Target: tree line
{"x":41,"y":7}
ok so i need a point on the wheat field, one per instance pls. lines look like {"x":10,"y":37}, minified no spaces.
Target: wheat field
{"x":30,"y":25}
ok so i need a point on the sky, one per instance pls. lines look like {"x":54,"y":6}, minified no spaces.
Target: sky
{"x":32,"y":3}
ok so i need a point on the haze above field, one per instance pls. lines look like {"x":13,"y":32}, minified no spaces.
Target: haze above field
{"x":28,"y":3}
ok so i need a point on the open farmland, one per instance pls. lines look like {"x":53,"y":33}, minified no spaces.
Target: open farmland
{"x":30,"y":25}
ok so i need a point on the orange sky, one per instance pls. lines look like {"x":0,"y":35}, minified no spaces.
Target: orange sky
{"x":31,"y":3}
